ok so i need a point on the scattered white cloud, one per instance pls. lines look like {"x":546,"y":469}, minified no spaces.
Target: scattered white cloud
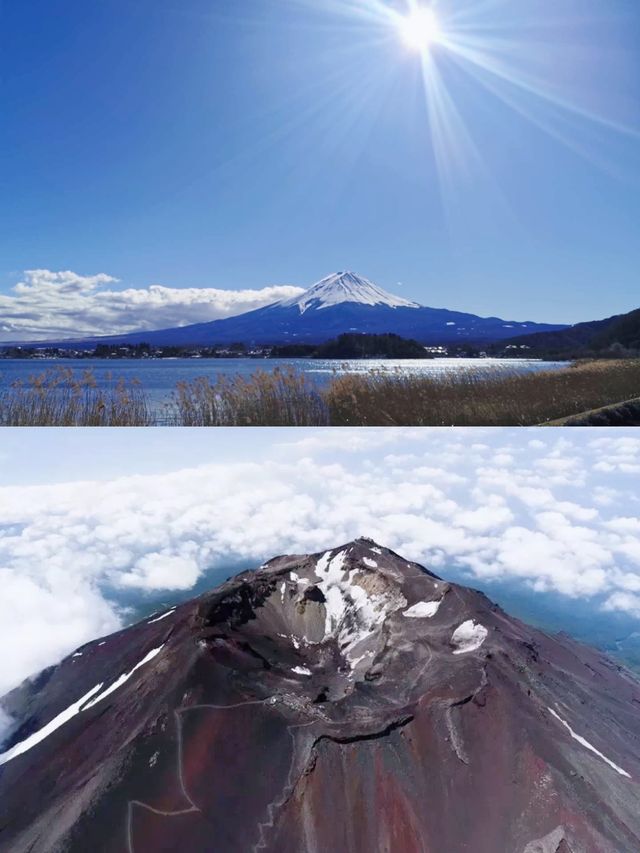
{"x":58,"y":305}
{"x":72,"y":553}
{"x":620,"y":454}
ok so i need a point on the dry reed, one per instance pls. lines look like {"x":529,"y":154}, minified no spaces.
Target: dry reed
{"x":486,"y":397}
{"x":278,"y":398}
{"x":482,"y":398}
{"x":60,"y":397}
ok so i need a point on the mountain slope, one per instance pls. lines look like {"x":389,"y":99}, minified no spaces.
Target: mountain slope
{"x":342,"y":302}
{"x":347,"y":701}
{"x":595,"y":336}
{"x":623,"y":330}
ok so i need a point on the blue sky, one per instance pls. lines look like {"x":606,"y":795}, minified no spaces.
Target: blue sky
{"x":239,"y":145}
{"x":545,"y":521}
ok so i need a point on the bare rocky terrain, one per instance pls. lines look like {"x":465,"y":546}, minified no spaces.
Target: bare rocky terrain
{"x":343,"y":701}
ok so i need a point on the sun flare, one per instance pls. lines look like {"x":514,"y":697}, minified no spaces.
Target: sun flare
{"x":420,"y":29}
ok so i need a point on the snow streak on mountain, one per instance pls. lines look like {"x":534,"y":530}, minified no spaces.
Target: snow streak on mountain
{"x":347,"y":701}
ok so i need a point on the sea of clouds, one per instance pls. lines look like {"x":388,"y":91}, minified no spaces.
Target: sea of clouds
{"x":48,"y":305}
{"x":553,"y":513}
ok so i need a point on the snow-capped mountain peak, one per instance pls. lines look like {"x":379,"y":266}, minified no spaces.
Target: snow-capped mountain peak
{"x":345,"y":287}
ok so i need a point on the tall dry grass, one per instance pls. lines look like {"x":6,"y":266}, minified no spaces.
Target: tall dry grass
{"x":278,"y":398}
{"x":61,"y":397}
{"x":483,"y":398}
{"x":488,"y":397}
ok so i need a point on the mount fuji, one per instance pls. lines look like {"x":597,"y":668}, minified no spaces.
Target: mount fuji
{"x":349,"y":701}
{"x":340,"y":303}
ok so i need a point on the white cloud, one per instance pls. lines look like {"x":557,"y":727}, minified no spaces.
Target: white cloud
{"x":338,"y":438}
{"x":619,"y":454}
{"x":624,"y":525}
{"x":624,"y":601}
{"x":48,"y":305}
{"x":484,"y":519}
{"x":162,"y":571}
{"x":45,"y":613}
{"x":69,"y":551}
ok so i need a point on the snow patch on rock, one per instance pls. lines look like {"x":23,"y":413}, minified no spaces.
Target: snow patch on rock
{"x":355,"y":661}
{"x":294,"y":640}
{"x":468,"y":637}
{"x":354,"y":608}
{"x":423,"y":609}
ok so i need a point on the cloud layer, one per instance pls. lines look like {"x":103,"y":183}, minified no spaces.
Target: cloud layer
{"x":552,"y":513}
{"x":57,"y":305}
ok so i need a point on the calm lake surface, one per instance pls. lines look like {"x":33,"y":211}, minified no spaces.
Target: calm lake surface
{"x":159,"y":376}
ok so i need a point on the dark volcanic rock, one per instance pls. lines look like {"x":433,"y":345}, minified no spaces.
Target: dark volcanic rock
{"x":345,"y":701}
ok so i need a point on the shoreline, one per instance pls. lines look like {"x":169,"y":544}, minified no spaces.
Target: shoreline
{"x":286,"y":396}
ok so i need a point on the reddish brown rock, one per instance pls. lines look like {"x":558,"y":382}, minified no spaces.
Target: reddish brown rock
{"x":346,"y":701}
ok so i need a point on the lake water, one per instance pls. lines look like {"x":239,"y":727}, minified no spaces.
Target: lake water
{"x":159,"y":376}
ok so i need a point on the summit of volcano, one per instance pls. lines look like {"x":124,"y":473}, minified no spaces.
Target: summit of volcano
{"x":347,"y":700}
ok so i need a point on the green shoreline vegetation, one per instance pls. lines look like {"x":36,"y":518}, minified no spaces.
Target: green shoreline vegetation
{"x":63,"y":397}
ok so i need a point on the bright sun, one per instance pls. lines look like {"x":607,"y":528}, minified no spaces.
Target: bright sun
{"x":421,"y":29}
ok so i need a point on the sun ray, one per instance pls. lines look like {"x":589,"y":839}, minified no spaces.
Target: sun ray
{"x":457,"y":157}
{"x":520,"y":59}
{"x":470,"y":50}
{"x":560,"y":125}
